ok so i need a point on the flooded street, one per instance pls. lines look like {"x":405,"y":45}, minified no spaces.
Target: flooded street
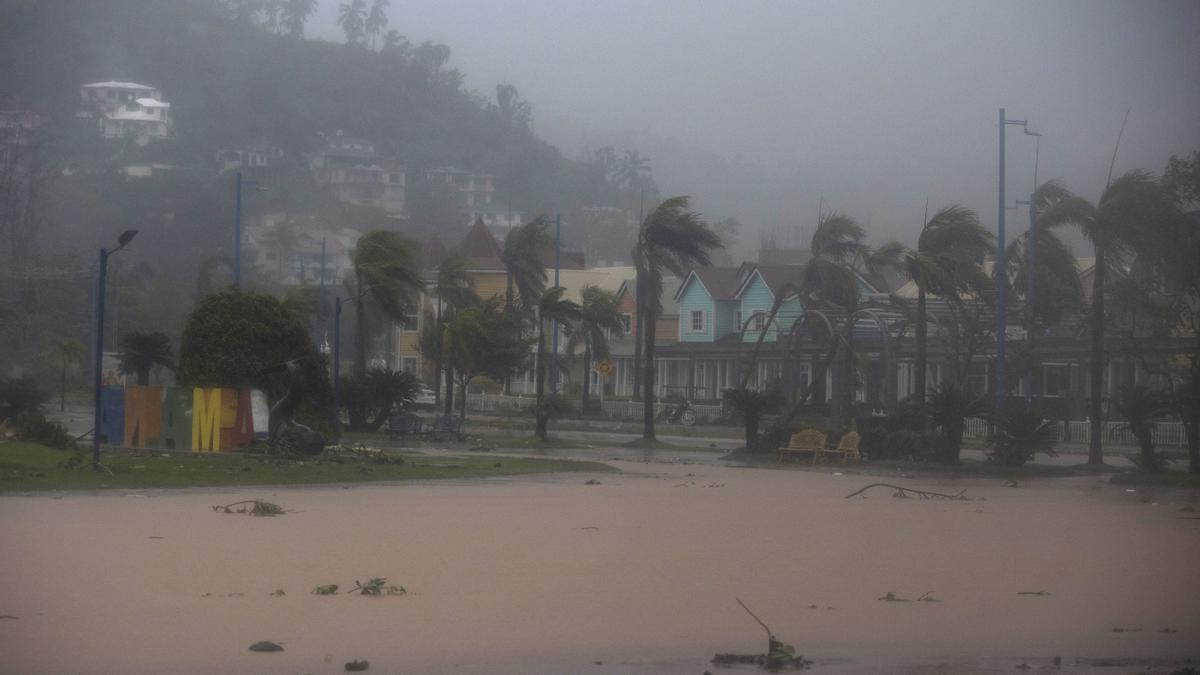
{"x":636,"y":574}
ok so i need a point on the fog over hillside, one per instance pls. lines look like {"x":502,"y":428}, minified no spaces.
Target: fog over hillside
{"x":764,"y":109}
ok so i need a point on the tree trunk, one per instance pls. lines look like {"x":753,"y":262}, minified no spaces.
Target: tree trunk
{"x":922,"y":347}
{"x":62,"y":389}
{"x":637,"y":339}
{"x":449,"y":408}
{"x":585,"y":397}
{"x":360,"y":337}
{"x":1096,"y":366}
{"x":540,"y":376}
{"x":850,"y":375}
{"x":143,"y":376}
{"x":648,"y":377}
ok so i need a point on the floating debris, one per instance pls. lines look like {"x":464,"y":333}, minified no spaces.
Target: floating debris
{"x":265,"y":646}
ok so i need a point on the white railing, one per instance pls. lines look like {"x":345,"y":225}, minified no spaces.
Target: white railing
{"x":480,"y":402}
{"x":1164,"y":433}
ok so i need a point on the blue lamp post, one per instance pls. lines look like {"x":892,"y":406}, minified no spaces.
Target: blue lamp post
{"x":237,"y":227}
{"x":1001,"y":268}
{"x":98,"y":356}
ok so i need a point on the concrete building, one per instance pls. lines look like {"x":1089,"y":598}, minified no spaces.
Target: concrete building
{"x":359,"y":175}
{"x":127,"y":110}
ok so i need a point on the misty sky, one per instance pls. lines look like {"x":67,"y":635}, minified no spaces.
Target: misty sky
{"x":873,"y":106}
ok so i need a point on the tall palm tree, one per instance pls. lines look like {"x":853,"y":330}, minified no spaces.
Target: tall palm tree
{"x":141,"y":351}
{"x":352,"y":18}
{"x":376,"y":19}
{"x":552,"y":307}
{"x":1127,"y":204}
{"x":385,"y":269}
{"x":947,"y":261}
{"x":295,"y":15}
{"x":840,"y":254}
{"x":598,"y":316}
{"x":675,"y":239}
{"x":455,"y":292}
{"x":66,"y":353}
{"x":523,"y":262}
{"x":631,"y":169}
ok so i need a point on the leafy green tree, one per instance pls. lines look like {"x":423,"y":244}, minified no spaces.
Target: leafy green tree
{"x":552,"y":308}
{"x":1129,"y":203}
{"x":352,"y":17}
{"x":385,"y":270}
{"x":485,"y":340}
{"x":947,"y":261}
{"x":455,"y":292}
{"x":372,"y":399}
{"x":675,"y":239}
{"x":598,"y":316}
{"x":67,"y":354}
{"x":142,"y":351}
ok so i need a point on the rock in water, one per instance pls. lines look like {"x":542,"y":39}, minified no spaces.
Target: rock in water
{"x":265,"y":646}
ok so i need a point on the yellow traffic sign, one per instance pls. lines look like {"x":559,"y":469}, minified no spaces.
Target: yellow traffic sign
{"x":604,"y":368}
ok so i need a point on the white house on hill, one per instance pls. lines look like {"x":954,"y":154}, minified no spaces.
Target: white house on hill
{"x":128,"y":109}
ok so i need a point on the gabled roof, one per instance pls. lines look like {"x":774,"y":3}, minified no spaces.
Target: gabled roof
{"x":480,"y":249}
{"x":606,"y":278}
{"x":720,"y":282}
{"x":776,"y":277}
{"x":120,"y":85}
{"x":670,"y":289}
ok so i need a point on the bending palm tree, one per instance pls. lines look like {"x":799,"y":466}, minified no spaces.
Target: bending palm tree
{"x":295,"y":15}
{"x":675,"y":239}
{"x":523,"y":263}
{"x":1125,"y":205}
{"x":598,"y":315}
{"x":140,"y":352}
{"x":384,"y":269}
{"x":352,"y":17}
{"x":376,"y":20}
{"x":455,"y":291}
{"x":947,"y":261}
{"x":552,"y":307}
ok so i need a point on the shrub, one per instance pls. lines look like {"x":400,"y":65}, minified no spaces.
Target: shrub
{"x":556,"y":406}
{"x":1140,"y":406}
{"x":949,"y":406}
{"x":752,"y":403}
{"x":371,"y":399}
{"x":34,"y":427}
{"x":934,"y":446}
{"x":1020,"y":433}
{"x":899,"y":444}
{"x":18,"y":395}
{"x":911,"y":415}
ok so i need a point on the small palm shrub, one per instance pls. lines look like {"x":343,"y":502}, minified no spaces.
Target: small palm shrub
{"x":1140,"y":406}
{"x":1020,"y":432}
{"x":949,"y":406}
{"x":898,"y":444}
{"x":34,"y":427}
{"x":751,"y":404}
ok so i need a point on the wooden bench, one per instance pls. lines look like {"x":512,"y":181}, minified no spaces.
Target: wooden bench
{"x":808,"y":440}
{"x":447,"y":424}
{"x":403,"y":424}
{"x":847,"y":448}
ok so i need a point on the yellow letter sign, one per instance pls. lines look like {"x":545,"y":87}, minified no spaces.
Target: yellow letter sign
{"x":206,"y":420}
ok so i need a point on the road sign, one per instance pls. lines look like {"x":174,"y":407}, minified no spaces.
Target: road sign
{"x":604,"y":368}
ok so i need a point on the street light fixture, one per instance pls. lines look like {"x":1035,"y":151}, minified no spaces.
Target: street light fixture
{"x":1002,"y":281}
{"x":98,"y":357}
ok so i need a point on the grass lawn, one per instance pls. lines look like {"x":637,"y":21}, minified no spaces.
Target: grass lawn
{"x":28,"y":466}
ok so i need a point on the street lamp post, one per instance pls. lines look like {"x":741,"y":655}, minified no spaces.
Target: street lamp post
{"x":337,"y":366}
{"x":554,"y":373}
{"x":98,"y":362}
{"x":1001,"y":269}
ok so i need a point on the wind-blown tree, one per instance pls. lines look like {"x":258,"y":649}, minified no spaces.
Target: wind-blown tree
{"x":385,"y":270}
{"x":598,"y":316}
{"x":631,"y":170}
{"x":66,"y":353}
{"x":1141,"y":407}
{"x":376,"y":20}
{"x":524,"y":271}
{"x":142,"y":351}
{"x":946,"y":262}
{"x":295,"y":15}
{"x":485,"y":340}
{"x":455,"y":292}
{"x":675,"y":239}
{"x":1130,"y":202}
{"x":552,"y":308}
{"x":840,"y":254}
{"x":352,"y":17}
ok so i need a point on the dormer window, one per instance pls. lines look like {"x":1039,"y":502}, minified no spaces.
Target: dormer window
{"x":697,"y":320}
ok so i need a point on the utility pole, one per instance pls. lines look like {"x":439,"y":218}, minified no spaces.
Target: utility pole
{"x":554,"y":349}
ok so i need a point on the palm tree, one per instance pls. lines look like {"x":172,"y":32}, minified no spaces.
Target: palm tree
{"x":352,"y":19}
{"x":385,"y":270}
{"x":598,"y":315}
{"x":295,"y":15}
{"x":1141,"y":406}
{"x":1126,"y":205}
{"x":552,"y":307}
{"x":523,"y":262}
{"x":631,"y":169}
{"x":830,"y":281}
{"x":674,"y":239}
{"x":140,"y":352}
{"x":947,"y":261}
{"x":376,"y":20}
{"x":455,"y":291}
{"x":66,"y":353}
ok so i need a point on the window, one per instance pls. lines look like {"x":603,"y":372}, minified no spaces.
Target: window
{"x":697,"y":320}
{"x":1056,"y":379}
{"x":411,"y":322}
{"x":626,"y":323}
{"x":760,"y":321}
{"x":409,"y":364}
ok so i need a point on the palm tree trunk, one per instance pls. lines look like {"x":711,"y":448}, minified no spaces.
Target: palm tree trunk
{"x":449,"y":390}
{"x":922,"y":347}
{"x":849,"y":376}
{"x":648,"y":379}
{"x":1096,"y":367}
{"x":637,"y":342}
{"x":62,"y":388}
{"x":587,"y":378}
{"x":360,"y":337}
{"x":540,"y":375}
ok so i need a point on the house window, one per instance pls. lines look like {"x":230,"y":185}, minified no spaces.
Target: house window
{"x":1056,"y":379}
{"x":411,"y":322}
{"x":409,"y":364}
{"x":626,"y":323}
{"x":760,"y":321}
{"x":697,"y":320}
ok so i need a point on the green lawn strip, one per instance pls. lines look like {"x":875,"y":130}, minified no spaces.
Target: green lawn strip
{"x":26,"y":467}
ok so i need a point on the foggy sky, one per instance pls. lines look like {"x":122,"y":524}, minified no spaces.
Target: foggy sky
{"x":872,"y":106}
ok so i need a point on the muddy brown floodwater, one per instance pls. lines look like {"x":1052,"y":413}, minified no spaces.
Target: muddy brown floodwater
{"x":638,"y":574}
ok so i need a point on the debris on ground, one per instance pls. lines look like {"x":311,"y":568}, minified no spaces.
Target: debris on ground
{"x":251,"y":507}
{"x":327,"y":589}
{"x":278,"y":593}
{"x":593,"y":481}
{"x":779,"y":656}
{"x":903,"y":492}
{"x":265,"y":646}
{"x":357,"y":666}
{"x":377,"y":586}
{"x":1043,"y":593}
{"x":1126,"y":630}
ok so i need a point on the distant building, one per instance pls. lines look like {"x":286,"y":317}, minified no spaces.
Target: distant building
{"x":499,"y":220}
{"x":249,"y":157}
{"x":359,"y":175}
{"x":127,"y":110}
{"x":475,"y":190}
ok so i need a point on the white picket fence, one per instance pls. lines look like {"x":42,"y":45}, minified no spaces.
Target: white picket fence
{"x":632,"y":410}
{"x":1164,"y":434}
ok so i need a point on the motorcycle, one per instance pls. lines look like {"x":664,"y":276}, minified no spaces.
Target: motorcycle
{"x":680,"y":413}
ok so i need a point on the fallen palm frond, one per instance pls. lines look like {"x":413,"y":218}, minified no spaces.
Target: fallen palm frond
{"x":903,"y":492}
{"x":251,"y":507}
{"x":377,"y":586}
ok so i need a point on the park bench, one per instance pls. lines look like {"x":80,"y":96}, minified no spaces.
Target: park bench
{"x":808,"y":440}
{"x":447,"y":425}
{"x":403,"y":424}
{"x":847,"y":447}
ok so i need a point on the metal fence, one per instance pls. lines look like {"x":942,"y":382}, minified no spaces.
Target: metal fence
{"x":1164,"y":433}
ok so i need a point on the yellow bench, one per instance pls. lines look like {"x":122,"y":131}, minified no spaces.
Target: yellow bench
{"x":847,"y":448}
{"x":808,"y":440}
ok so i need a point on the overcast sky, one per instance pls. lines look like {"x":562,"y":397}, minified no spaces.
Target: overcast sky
{"x":872,"y":106}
